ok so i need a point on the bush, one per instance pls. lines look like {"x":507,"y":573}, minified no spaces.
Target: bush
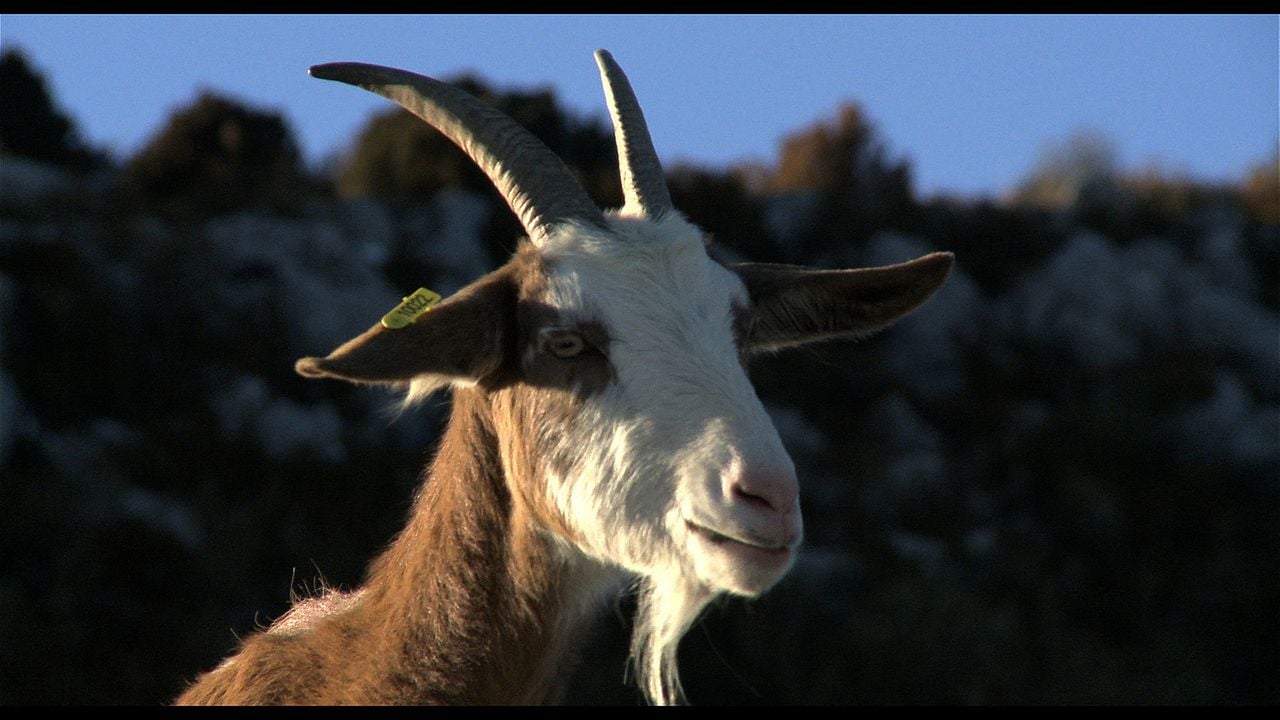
{"x":216,"y":156}
{"x":31,"y":125}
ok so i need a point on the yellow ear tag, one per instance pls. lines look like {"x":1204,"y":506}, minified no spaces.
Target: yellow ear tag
{"x":410,"y":309}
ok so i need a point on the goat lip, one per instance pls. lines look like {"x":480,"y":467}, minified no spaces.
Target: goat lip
{"x":771,"y":553}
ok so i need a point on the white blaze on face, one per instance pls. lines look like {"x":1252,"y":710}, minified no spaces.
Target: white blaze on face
{"x":661,"y":451}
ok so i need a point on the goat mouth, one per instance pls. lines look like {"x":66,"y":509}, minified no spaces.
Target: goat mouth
{"x":771,"y":553}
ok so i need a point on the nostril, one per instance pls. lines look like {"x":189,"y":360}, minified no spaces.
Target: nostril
{"x":748,"y":497}
{"x":767,"y":491}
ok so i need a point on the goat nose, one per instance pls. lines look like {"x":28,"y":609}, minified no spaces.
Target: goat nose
{"x":775,"y":490}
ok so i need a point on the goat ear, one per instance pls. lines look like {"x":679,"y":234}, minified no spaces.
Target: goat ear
{"x":461,"y":339}
{"x":792,"y":305}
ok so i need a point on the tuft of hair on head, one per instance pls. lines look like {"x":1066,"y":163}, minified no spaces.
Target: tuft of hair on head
{"x":419,"y":389}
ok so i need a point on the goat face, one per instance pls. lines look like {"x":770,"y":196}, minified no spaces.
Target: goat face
{"x":635,"y":414}
{"x":611,"y":353}
{"x":613,"y":365}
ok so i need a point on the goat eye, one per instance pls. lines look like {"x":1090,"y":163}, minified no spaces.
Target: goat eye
{"x":566,"y":345}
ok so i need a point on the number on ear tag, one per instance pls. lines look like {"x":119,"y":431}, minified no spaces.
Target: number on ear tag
{"x":410,"y":309}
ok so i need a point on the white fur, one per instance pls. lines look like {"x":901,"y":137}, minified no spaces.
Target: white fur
{"x":306,"y":613}
{"x":654,"y":449}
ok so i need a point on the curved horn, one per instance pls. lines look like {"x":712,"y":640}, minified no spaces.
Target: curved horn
{"x":534,"y":182}
{"x":643,"y":184}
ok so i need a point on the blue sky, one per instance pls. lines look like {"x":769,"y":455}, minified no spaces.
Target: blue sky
{"x":972,"y":101}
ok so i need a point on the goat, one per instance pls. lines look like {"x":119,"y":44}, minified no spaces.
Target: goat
{"x":602,"y":429}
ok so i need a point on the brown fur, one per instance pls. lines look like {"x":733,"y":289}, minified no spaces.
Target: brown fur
{"x":466,"y":606}
{"x":794,"y":305}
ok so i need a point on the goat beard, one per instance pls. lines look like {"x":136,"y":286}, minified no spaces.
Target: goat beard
{"x":667,"y":606}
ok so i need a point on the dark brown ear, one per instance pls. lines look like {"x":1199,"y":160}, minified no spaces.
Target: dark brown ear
{"x":462,"y":338}
{"x":793,"y":305}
